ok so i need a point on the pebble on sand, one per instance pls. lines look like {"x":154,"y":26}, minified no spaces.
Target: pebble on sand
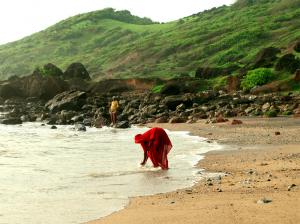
{"x":264,"y":201}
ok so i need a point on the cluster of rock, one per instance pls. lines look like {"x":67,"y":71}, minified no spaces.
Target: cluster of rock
{"x":86,"y":109}
{"x":209,"y":105}
{"x":55,"y":97}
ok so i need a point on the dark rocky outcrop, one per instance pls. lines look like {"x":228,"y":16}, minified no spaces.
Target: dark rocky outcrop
{"x":76,"y":70}
{"x":171,"y":102}
{"x":11,"y":121}
{"x":289,"y":63}
{"x":9,"y":90}
{"x":69,"y":100}
{"x":171,"y":89}
{"x":49,"y":70}
{"x":266,"y":57}
{"x":42,"y":87}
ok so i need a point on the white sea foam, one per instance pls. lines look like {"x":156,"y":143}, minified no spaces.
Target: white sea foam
{"x":64,"y":176}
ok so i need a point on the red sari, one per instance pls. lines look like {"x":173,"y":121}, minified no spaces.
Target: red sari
{"x":157,"y":145}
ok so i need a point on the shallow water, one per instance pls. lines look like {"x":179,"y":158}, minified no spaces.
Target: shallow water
{"x":64,"y":176}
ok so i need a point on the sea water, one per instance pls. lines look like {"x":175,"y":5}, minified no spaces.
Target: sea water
{"x":63,"y":176}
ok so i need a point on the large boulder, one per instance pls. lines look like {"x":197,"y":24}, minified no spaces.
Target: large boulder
{"x":11,"y":121}
{"x":171,"y":102}
{"x":69,"y":100}
{"x":49,"y":70}
{"x":8,"y":90}
{"x":76,"y":70}
{"x":288,"y":62}
{"x":42,"y":87}
{"x":266,"y":57}
{"x":171,"y":89}
{"x":35,"y":85}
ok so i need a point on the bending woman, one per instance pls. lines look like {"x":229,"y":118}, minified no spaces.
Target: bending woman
{"x":156,"y":145}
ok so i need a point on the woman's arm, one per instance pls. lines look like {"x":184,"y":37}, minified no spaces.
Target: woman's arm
{"x":145,"y":154}
{"x":145,"y":158}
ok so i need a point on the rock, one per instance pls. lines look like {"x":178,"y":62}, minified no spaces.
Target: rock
{"x":220,"y":119}
{"x":76,"y":70}
{"x":87,"y":122}
{"x":52,"y":120}
{"x":264,"y":201}
{"x":100,"y":121}
{"x":297,"y":112}
{"x":266,"y":107}
{"x":236,"y":122}
{"x":249,"y":110}
{"x":11,"y":121}
{"x":24,"y":118}
{"x":177,"y":120}
{"x":53,"y":127}
{"x":163,"y":119}
{"x":288,"y":62}
{"x":49,"y":70}
{"x":200,"y":115}
{"x":266,"y":57}
{"x":8,"y":90}
{"x":78,"y":118}
{"x":290,"y":187}
{"x":277,"y":133}
{"x":122,"y":124}
{"x":80,"y":127}
{"x":43,"y":87}
{"x":172,"y":102}
{"x":69,"y":100}
{"x":171,"y":89}
{"x":180,"y":107}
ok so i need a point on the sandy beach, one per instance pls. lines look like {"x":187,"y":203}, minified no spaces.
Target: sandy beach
{"x":259,"y":178}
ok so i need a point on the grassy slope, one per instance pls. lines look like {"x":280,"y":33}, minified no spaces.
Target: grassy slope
{"x":111,"y":46}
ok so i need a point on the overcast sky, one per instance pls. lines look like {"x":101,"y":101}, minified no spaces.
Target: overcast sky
{"x":19,"y":18}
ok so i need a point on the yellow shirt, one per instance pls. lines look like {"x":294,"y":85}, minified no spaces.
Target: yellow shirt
{"x":114,"y":106}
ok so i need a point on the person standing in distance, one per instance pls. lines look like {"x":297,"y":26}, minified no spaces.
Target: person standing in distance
{"x":113,"y":110}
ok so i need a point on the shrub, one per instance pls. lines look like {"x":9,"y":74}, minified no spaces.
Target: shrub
{"x":271,"y":113}
{"x":287,"y":113}
{"x":259,"y":76}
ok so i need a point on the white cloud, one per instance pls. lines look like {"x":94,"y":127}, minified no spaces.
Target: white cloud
{"x":19,"y":18}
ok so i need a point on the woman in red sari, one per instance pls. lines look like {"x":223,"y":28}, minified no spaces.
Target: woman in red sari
{"x":156,"y":145}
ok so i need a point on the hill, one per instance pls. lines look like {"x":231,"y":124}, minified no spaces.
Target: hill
{"x":116,"y":44}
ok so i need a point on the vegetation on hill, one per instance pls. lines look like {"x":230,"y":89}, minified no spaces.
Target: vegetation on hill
{"x":116,"y":44}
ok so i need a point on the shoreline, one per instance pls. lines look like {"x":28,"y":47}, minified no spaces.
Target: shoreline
{"x":265,"y":166}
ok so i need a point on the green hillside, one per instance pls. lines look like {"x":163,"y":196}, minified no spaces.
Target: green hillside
{"x":116,"y":44}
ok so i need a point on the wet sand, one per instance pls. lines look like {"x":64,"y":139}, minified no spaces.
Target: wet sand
{"x":259,"y":178}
